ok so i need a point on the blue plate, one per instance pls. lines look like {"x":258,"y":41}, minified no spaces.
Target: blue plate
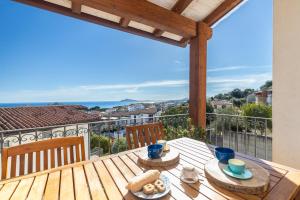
{"x":247,"y":174}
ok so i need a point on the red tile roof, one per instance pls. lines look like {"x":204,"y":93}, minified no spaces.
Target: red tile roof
{"x":41,"y":116}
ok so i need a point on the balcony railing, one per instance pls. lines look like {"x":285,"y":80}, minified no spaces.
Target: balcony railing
{"x":249,"y":135}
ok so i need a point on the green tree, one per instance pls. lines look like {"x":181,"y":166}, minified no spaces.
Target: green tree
{"x":119,"y":145}
{"x":247,"y":92}
{"x":209,"y":107}
{"x":237,"y":93}
{"x":257,"y":110}
{"x":100,"y":141}
{"x":266,"y":85}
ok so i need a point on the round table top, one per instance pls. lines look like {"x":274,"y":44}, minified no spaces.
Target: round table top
{"x":256,"y":185}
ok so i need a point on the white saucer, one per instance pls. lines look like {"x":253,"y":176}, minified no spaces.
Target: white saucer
{"x":189,"y":181}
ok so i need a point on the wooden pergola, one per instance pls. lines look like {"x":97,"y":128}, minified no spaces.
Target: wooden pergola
{"x":176,"y":22}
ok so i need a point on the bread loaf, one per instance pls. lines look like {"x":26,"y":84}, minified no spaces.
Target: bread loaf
{"x":137,"y":183}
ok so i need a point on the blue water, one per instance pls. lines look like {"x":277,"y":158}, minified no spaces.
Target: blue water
{"x":89,"y":104}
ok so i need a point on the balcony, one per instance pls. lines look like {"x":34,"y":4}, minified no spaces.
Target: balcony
{"x":249,"y":135}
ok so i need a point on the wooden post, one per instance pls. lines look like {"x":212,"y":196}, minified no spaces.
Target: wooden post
{"x":198,"y":57}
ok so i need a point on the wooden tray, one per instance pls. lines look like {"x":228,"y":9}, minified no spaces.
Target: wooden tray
{"x":168,"y":158}
{"x":258,"y":184}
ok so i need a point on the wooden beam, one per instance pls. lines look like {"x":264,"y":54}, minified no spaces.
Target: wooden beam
{"x":76,"y":6}
{"x":150,"y":14}
{"x":96,"y":20}
{"x":221,"y":11}
{"x":179,"y":7}
{"x":124,"y":22}
{"x":198,"y":62}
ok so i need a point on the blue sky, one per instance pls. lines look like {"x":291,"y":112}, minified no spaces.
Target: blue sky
{"x":49,"y":57}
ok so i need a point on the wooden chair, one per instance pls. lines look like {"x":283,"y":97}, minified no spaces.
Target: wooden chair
{"x":140,"y":134}
{"x":56,"y":146}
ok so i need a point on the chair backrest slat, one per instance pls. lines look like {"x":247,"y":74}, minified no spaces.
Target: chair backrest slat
{"x":22,"y":163}
{"x":52,"y":155}
{"x":30,"y":156}
{"x":141,"y":134}
{"x":72,"y":154}
{"x":38,"y":161}
{"x":77,"y":152}
{"x":48,"y":147}
{"x":59,"y":156}
{"x":65,"y":155}
{"x":13,"y":165}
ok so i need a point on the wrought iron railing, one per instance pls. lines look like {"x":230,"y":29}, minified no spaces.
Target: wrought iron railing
{"x":249,"y":135}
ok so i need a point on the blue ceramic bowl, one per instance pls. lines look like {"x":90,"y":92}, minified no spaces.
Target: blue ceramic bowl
{"x":224,"y":154}
{"x":155,"y":151}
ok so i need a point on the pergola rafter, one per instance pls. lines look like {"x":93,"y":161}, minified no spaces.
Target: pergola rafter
{"x":177,"y":24}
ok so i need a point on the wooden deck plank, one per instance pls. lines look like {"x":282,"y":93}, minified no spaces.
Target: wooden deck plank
{"x":96,"y":188}
{"x":204,"y":186}
{"x":127,"y":173}
{"x":22,"y":190}
{"x":52,"y":187}
{"x":118,"y":179}
{"x":264,"y":163}
{"x":278,"y":172}
{"x":130,"y":173}
{"x":190,"y":151}
{"x":38,"y":187}
{"x":8,"y":190}
{"x":110,"y":187}
{"x":287,"y":188}
{"x":80,"y":182}
{"x":176,"y":193}
{"x":191,"y":192}
{"x":106,"y":178}
{"x":66,"y":181}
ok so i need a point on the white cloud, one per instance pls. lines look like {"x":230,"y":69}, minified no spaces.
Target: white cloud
{"x":99,"y":92}
{"x":152,"y":90}
{"x":163,"y":83}
{"x":233,"y":68}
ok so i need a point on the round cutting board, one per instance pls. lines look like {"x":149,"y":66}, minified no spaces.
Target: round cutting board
{"x":256,"y":185}
{"x":168,"y":158}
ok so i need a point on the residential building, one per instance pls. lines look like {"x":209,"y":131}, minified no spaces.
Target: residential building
{"x":219,"y":104}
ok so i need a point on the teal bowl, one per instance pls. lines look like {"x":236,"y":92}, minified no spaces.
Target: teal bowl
{"x":236,"y":166}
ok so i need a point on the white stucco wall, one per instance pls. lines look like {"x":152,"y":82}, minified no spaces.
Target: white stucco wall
{"x":286,"y":83}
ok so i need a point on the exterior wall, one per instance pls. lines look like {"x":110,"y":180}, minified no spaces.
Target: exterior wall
{"x":286,"y":83}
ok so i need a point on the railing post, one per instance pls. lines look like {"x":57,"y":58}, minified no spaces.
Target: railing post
{"x":216,"y":131}
{"x":2,"y":143}
{"x":255,"y":137}
{"x":266,"y":138}
{"x":64,"y":132}
{"x":245,"y":136}
{"x":76,"y":129}
{"x":236,"y":135}
{"x":229,"y":128}
{"x":223,"y":130}
{"x":89,"y":141}
{"x":36,"y":137}
{"x":20,"y":138}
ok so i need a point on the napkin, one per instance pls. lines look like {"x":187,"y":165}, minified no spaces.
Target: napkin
{"x":137,"y":183}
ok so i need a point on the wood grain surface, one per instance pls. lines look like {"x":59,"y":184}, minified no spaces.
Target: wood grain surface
{"x":106,"y":177}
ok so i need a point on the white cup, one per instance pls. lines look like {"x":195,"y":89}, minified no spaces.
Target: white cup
{"x":189,"y":172}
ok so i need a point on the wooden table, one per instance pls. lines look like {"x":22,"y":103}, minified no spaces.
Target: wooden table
{"x":106,"y":178}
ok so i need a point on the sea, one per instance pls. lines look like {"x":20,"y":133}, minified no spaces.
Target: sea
{"x":89,"y":104}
